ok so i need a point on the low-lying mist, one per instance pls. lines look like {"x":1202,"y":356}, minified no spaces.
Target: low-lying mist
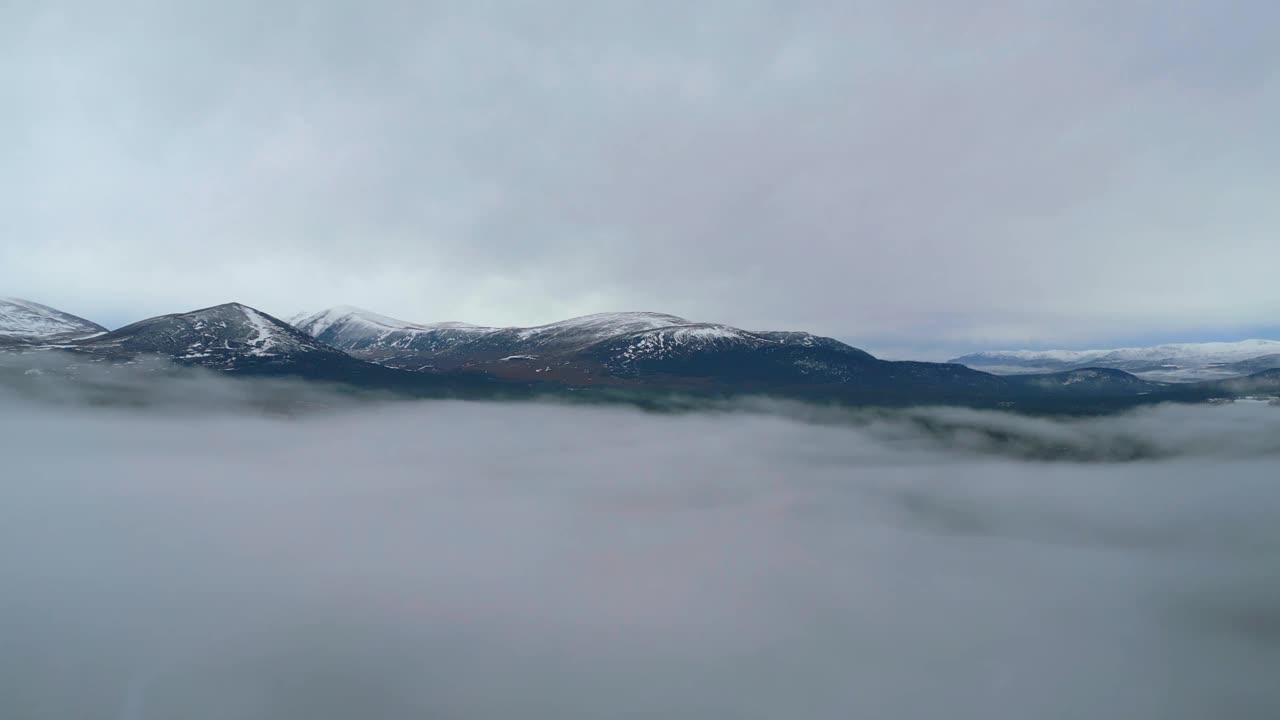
{"x":201,"y":558}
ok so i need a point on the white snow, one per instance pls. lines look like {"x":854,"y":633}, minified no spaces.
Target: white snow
{"x":25,"y":319}
{"x":360,"y":325}
{"x":352,"y":326}
{"x":1203,"y":353}
{"x":1173,"y":361}
{"x":316,"y":323}
{"x":645,"y":334}
{"x":603,"y":325}
{"x":704,"y":332}
{"x":1206,"y":353}
{"x":265,"y":339}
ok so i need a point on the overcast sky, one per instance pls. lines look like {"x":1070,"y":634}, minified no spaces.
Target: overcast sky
{"x":915,"y":173}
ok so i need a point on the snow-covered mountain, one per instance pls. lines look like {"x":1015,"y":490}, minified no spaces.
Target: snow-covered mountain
{"x":349,"y":328}
{"x":609,"y":355}
{"x":223,"y":337}
{"x":629,"y":348}
{"x":232,"y":338}
{"x":26,"y":321}
{"x":235,"y":339}
{"x":623,"y":336}
{"x":719,"y":349}
{"x":1180,"y":362}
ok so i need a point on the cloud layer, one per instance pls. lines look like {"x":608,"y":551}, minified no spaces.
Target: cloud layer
{"x":488,"y":561}
{"x":1029,"y":172}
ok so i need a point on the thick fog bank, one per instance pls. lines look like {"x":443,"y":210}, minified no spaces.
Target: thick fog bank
{"x":458,"y":560}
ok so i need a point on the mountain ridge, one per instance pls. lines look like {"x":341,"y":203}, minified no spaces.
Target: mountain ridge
{"x":603,"y":347}
{"x":625,"y":356}
{"x":656,"y":350}
{"x":1167,"y":362}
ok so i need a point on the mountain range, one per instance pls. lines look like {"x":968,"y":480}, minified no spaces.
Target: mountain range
{"x":627,"y":355}
{"x":1181,"y":362}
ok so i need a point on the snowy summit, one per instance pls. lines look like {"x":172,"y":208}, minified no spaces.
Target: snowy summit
{"x":24,"y":320}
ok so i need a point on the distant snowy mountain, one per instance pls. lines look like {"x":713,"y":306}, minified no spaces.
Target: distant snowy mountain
{"x":1181,"y":362}
{"x":1252,"y":365}
{"x":25,"y":321}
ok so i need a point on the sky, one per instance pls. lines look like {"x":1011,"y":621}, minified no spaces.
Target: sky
{"x":922,"y":175}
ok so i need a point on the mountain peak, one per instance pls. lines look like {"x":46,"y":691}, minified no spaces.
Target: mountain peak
{"x":223,"y":336}
{"x":318,"y":323}
{"x":223,"y":307}
{"x":25,"y":320}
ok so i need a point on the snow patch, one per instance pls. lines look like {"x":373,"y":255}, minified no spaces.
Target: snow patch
{"x":265,"y":339}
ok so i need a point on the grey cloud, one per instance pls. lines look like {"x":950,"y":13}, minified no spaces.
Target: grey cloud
{"x":1004,"y":172}
{"x":480,"y":560}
